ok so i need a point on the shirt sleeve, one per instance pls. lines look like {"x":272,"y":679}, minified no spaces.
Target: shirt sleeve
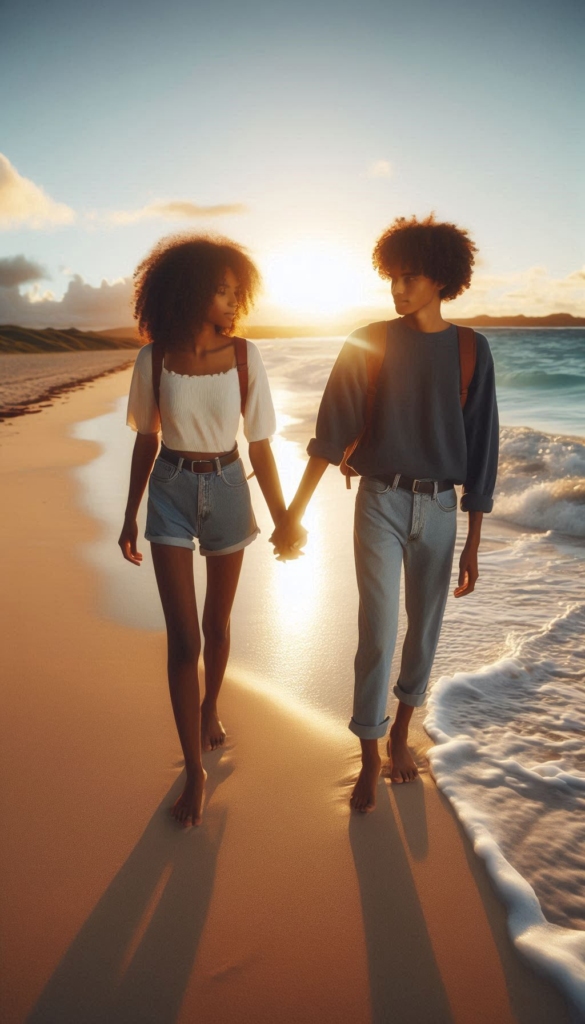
{"x":480,"y":417}
{"x":143,"y":415}
{"x":259,"y":415}
{"x":341,"y":415}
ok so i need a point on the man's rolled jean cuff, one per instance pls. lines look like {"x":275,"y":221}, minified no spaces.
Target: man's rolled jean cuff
{"x":369,"y":732}
{"x":414,"y":700}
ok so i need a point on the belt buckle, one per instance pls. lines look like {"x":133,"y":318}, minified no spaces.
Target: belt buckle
{"x":414,"y":488}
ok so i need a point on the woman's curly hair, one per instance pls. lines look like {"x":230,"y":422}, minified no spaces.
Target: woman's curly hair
{"x":443,"y":252}
{"x":176,"y":283}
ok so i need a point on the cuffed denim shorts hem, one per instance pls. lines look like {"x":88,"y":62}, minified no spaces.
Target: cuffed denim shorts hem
{"x":232,"y":548}
{"x":213,"y":508}
{"x":173,"y":542}
{"x":369,"y":732}
{"x":414,"y":700}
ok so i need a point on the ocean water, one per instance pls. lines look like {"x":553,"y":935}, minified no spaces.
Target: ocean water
{"x":506,"y":709}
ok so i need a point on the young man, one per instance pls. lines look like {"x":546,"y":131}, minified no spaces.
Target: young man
{"x":421,"y":440}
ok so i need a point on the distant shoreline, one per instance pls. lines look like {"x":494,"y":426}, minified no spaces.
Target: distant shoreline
{"x":15,"y":339}
{"x":554,"y":320}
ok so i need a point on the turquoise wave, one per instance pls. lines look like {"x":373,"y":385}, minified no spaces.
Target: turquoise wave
{"x":539,"y":379}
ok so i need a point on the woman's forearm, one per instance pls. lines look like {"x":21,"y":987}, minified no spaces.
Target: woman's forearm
{"x":143,"y":456}
{"x":266,"y":472}
{"x":311,"y":477}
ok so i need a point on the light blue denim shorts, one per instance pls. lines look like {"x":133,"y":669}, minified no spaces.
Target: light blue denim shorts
{"x":214,"y":507}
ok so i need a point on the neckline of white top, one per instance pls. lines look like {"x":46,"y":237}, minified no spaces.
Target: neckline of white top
{"x":197,"y":376}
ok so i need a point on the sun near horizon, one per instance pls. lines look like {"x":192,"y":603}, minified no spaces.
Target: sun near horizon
{"x":314,"y":278}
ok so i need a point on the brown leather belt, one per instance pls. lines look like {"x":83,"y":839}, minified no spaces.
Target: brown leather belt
{"x":199,"y":465}
{"x":408,"y":483}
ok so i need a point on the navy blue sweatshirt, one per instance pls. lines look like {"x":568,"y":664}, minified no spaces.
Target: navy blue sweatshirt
{"x":418,"y":427}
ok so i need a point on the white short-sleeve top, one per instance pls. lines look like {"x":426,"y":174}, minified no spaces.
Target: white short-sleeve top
{"x":200,"y":413}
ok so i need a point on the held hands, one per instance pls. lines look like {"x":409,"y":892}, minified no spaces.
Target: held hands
{"x":127,"y":542}
{"x":288,"y":538}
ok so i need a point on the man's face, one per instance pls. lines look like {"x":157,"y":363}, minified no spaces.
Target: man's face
{"x":412,"y":292}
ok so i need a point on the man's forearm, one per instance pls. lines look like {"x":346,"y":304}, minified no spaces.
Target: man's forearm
{"x":474,"y":528}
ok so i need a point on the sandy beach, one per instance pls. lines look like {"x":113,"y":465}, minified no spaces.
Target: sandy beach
{"x":283,"y":906}
{"x":29,"y":380}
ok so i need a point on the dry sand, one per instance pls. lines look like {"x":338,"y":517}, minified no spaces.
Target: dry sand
{"x":282,"y":907}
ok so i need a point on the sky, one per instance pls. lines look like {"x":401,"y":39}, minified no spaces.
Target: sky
{"x":300,"y":130}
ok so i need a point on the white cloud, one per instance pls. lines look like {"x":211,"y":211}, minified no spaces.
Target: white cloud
{"x":22,"y":203}
{"x":174,"y":210}
{"x":83,"y":306}
{"x":38,"y":294}
{"x":380,"y":169}
{"x":533,"y":292}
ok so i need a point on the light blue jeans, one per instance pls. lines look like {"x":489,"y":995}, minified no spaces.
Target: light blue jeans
{"x":392,"y":527}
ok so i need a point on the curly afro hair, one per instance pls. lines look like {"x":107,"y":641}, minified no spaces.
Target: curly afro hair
{"x":176,"y":283}
{"x":443,"y":252}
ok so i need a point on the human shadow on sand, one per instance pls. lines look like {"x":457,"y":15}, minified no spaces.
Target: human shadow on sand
{"x":405,"y":982}
{"x":132,"y":959}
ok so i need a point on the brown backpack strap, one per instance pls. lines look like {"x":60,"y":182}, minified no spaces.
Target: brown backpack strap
{"x":241,"y":347}
{"x":374,"y":359}
{"x":158,"y":355}
{"x":375,"y":336}
{"x":467,"y":358}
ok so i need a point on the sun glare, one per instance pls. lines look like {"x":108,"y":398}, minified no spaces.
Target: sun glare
{"x":313,"y":278}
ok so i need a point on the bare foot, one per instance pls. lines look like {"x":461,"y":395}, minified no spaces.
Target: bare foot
{"x":189,"y":807}
{"x":402,"y":765}
{"x":363,"y":797}
{"x":212,"y":731}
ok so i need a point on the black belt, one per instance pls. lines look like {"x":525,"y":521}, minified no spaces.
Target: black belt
{"x":199,"y":465}
{"x":408,"y":483}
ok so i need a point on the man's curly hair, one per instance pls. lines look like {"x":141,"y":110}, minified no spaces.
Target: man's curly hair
{"x":176,"y":283}
{"x":443,"y":252}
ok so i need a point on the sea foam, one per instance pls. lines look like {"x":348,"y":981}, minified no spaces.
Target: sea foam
{"x":541,"y":481}
{"x":510,"y":758}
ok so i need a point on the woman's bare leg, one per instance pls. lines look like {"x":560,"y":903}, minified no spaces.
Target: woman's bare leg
{"x":174,"y":575}
{"x":223,"y":573}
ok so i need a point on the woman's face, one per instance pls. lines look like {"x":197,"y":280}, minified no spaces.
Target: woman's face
{"x":224,"y":305}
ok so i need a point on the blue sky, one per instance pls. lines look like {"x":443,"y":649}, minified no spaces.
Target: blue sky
{"x":323,"y":120}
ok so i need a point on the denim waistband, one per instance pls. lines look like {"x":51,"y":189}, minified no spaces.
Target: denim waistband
{"x":409,"y":483}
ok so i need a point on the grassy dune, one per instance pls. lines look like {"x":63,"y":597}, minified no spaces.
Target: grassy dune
{"x":24,"y":339}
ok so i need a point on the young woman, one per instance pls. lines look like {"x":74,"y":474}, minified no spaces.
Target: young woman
{"x":433,"y":423}
{"x":191,"y":382}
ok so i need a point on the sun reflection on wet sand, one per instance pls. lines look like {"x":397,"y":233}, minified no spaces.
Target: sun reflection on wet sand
{"x":292,"y":644}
